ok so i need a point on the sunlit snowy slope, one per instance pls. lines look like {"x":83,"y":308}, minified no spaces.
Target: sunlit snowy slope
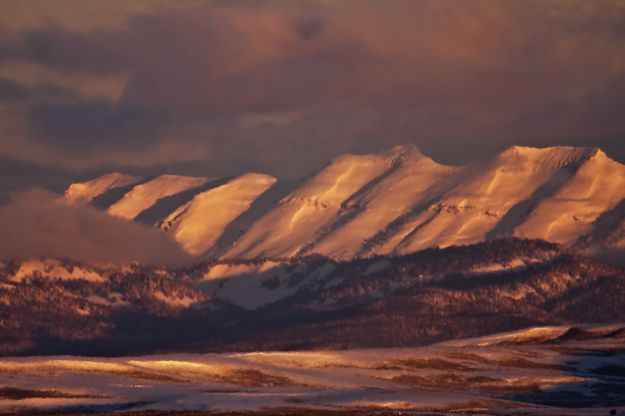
{"x":394,"y":202}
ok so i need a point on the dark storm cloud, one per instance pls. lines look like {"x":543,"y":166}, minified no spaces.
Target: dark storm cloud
{"x":283,"y":86}
{"x":19,"y":175}
{"x":60,"y":48}
{"x":83,"y":126}
{"x":11,"y":91}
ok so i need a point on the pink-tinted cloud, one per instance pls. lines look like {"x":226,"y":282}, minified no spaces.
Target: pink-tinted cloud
{"x":34,"y":224}
{"x":460,"y":79}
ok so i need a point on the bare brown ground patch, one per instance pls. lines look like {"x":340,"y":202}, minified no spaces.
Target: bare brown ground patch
{"x":16,"y":393}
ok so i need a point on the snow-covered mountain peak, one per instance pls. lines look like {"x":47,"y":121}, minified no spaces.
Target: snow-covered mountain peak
{"x":143,"y":196}
{"x":395,"y":201}
{"x":596,"y":187}
{"x":403,"y":152}
{"x":343,"y":176}
{"x":257,"y":178}
{"x":546,"y":157}
{"x":85,"y":192}
{"x":198,"y":224}
{"x":600,"y":157}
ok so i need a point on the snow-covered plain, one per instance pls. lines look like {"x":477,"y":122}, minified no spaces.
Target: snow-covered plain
{"x":547,"y":371}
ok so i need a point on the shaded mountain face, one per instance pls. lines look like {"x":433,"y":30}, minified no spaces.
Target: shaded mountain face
{"x":54,"y":306}
{"x":395,"y":202}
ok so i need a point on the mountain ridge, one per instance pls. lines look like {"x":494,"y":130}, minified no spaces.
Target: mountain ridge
{"x":393,"y":202}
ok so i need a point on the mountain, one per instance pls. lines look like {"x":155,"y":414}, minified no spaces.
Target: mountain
{"x":52,"y":306}
{"x":83,"y":193}
{"x":341,"y":206}
{"x":488,"y":200}
{"x":371,"y":251}
{"x":596,"y":187}
{"x":394,"y":202}
{"x":199,"y":223}
{"x":145,"y":195}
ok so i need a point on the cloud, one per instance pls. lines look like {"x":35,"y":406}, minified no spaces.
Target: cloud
{"x":88,"y":125}
{"x":283,"y":86}
{"x":35,"y":224}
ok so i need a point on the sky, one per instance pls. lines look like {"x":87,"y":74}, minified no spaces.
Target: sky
{"x":280,"y":87}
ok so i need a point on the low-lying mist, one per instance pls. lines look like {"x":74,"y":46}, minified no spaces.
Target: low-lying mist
{"x":36,"y":223}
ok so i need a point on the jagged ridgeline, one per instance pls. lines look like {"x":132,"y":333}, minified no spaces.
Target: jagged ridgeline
{"x":390,"y":249}
{"x":59,"y":307}
{"x":395,"y":202}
